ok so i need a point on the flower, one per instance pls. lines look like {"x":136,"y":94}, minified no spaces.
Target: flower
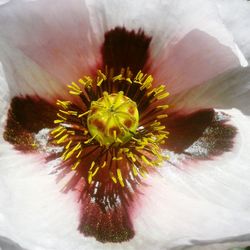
{"x":119,"y":58}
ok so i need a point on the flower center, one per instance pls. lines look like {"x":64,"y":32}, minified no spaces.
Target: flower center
{"x":102,"y":138}
{"x":113,"y":119}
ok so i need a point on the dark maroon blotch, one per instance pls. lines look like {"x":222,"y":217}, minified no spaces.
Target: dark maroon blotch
{"x":26,"y":117}
{"x":186,"y":129}
{"x":217,"y":139}
{"x":123,"y":48}
{"x":202,"y":134}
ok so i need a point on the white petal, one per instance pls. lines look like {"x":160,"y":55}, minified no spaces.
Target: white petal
{"x":26,"y":189}
{"x":4,"y":101}
{"x":34,"y":213}
{"x":235,"y":14}
{"x":8,"y":244}
{"x":4,"y":1}
{"x":228,"y":90}
{"x":166,"y":21}
{"x":205,"y":202}
{"x":223,"y":244}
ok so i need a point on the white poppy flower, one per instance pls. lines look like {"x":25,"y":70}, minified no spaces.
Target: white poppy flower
{"x":117,"y":163}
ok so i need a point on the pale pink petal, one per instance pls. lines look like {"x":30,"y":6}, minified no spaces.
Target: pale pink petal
{"x":25,"y":77}
{"x":228,"y":90}
{"x":62,"y":40}
{"x":58,"y":40}
{"x":195,"y":59}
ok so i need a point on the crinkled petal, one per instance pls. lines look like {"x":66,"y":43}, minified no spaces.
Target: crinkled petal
{"x":235,"y":15}
{"x":228,"y":90}
{"x":67,"y":37}
{"x":187,"y":47}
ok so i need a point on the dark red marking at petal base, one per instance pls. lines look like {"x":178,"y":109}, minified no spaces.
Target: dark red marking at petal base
{"x":106,"y":206}
{"x":26,"y":117}
{"x":217,"y":139}
{"x":202,"y":134}
{"x":113,"y":225}
{"x":186,"y":129}
{"x":122,"y":49}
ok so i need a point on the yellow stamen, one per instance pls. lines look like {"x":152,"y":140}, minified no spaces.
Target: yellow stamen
{"x":117,"y":159}
{"x":62,"y":139}
{"x":58,"y":121}
{"x":104,"y":164}
{"x":90,"y":177}
{"x":57,"y":129}
{"x":76,"y":165}
{"x":119,"y":175}
{"x":60,"y":133}
{"x":134,"y":169}
{"x":159,"y":97}
{"x":162,"y":116}
{"x":83,"y":114}
{"x":68,"y":145}
{"x":92,"y":165}
{"x":95,"y":172}
{"x":163,"y":106}
{"x":146,"y":161}
{"x":112,"y":177}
